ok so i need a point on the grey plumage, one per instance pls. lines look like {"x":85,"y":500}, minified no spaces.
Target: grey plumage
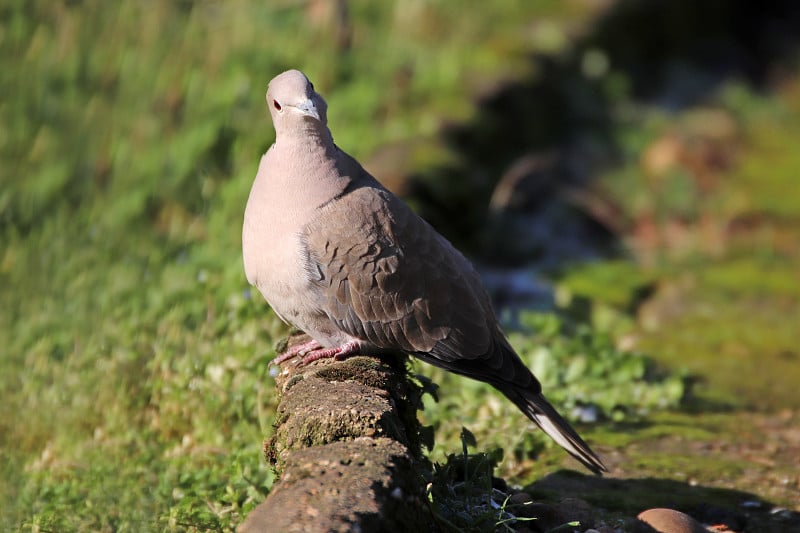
{"x":340,"y":257}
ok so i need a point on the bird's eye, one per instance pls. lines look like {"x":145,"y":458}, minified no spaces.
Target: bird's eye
{"x":276,"y":105}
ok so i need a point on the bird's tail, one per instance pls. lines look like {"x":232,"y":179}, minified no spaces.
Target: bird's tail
{"x":538,"y":409}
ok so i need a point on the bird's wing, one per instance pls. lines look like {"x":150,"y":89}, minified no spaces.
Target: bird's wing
{"x":383,"y":275}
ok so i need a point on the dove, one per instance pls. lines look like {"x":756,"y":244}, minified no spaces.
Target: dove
{"x":337,"y":255}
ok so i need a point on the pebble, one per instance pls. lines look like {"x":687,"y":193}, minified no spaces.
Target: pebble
{"x":671,"y":521}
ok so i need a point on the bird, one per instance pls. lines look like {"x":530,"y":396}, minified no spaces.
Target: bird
{"x":338,"y":256}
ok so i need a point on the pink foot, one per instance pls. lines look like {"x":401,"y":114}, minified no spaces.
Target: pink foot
{"x":296,"y":350}
{"x":338,"y":353}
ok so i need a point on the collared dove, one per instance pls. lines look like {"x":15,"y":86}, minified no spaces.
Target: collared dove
{"x":342,"y":258}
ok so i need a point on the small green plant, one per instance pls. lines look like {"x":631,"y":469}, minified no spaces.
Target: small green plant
{"x":461,"y":492}
{"x":464,"y":495}
{"x":582,"y":370}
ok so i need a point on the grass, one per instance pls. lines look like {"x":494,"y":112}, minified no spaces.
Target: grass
{"x":134,"y":387}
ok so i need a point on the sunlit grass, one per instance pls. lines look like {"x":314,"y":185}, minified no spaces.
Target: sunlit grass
{"x":133,"y":376}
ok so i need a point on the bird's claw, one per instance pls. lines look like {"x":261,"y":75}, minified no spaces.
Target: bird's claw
{"x":312,"y":351}
{"x":294,"y":351}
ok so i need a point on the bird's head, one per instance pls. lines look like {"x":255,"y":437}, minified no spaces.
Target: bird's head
{"x":294,"y":105}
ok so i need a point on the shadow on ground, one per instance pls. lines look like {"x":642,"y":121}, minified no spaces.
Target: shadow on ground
{"x":738,"y":510}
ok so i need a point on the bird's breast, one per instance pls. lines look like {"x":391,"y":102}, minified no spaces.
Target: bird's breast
{"x":271,"y":247}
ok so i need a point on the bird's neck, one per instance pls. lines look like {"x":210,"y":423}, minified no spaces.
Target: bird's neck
{"x":320,"y":137}
{"x":315,"y":175}
{"x":316,"y":137}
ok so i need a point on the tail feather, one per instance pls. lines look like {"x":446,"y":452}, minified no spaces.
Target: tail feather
{"x":544,"y":415}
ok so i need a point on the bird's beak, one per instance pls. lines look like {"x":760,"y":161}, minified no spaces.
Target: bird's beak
{"x":308,"y":108}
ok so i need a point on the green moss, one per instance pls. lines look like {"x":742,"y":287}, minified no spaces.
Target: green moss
{"x":736,"y":330}
{"x":364,"y":370}
{"x":294,"y":380}
{"x":751,"y":277}
{"x":617,"y":283}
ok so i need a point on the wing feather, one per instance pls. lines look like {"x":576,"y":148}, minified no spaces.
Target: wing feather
{"x":385,"y":276}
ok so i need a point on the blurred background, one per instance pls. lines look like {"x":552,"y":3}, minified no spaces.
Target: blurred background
{"x":624,"y":174}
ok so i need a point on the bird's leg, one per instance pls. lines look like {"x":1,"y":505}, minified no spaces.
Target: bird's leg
{"x":338,"y":353}
{"x":297,"y":349}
